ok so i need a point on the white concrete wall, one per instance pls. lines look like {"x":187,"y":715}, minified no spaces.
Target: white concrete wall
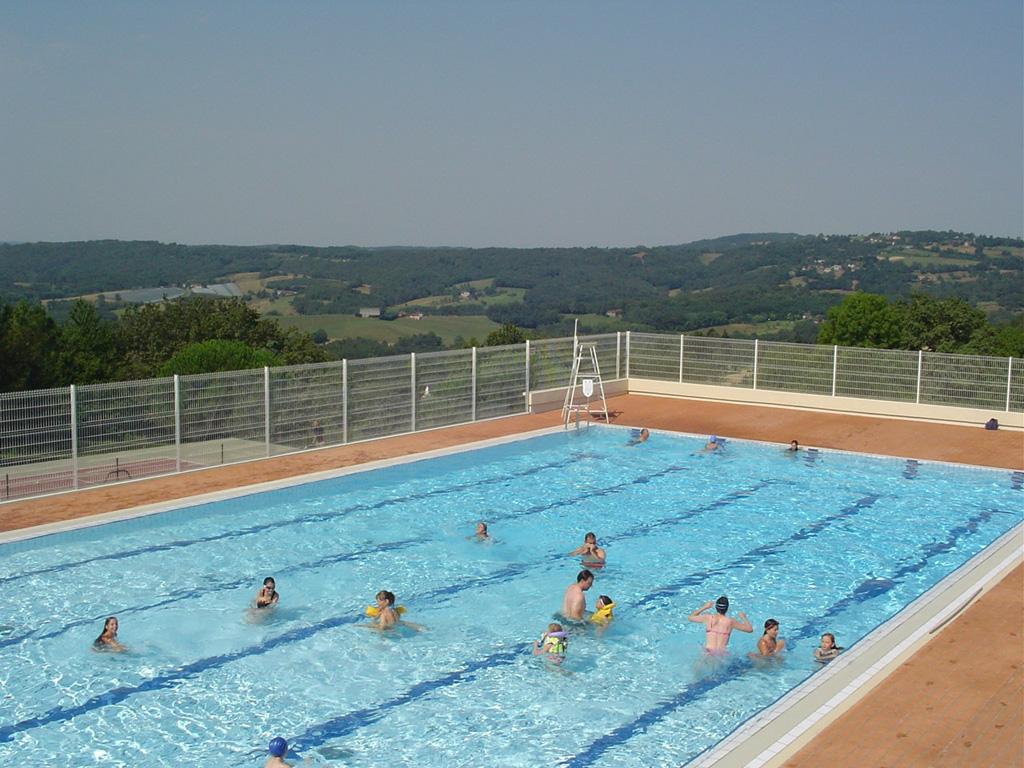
{"x":853,"y":405}
{"x":542,"y":400}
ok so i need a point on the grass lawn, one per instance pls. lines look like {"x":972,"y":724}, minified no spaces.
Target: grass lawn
{"x":769,"y":326}
{"x":342,"y":326}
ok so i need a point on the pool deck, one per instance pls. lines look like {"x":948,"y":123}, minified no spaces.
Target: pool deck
{"x":971,"y":713}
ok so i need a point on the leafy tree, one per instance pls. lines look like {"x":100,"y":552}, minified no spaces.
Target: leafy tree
{"x":939,"y":325}
{"x":88,"y":352}
{"x":862,"y":320}
{"x":509,"y":333}
{"x":217,"y":355}
{"x":28,"y":348}
{"x":320,"y":336}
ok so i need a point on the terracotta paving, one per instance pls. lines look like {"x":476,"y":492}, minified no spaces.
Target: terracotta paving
{"x":970,"y":714}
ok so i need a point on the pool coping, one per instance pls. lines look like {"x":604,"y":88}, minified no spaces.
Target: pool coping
{"x":777,"y":732}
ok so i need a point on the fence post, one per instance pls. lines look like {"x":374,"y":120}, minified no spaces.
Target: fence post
{"x":835,"y":366}
{"x":1009,"y":379}
{"x":627,"y":353}
{"x":412,"y":388}
{"x":920,"y":358}
{"x":74,"y":436}
{"x":177,"y":423}
{"x":682,"y":341}
{"x":755,"y":362}
{"x":526,"y":392}
{"x":618,"y":354}
{"x":344,"y":400}
{"x":472,"y":416}
{"x":266,"y":407}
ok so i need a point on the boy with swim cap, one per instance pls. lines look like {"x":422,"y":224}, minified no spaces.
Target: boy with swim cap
{"x":278,"y":749}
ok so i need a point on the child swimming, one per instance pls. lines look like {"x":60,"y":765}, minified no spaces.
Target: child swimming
{"x":385,"y":615}
{"x":552,"y":644}
{"x":828,"y":649}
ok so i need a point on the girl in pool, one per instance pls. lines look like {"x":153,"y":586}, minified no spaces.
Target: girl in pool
{"x":552,"y":644}
{"x":267,"y":597}
{"x":719,"y":627}
{"x":107,"y":641}
{"x":769,"y":646}
{"x":386,"y":616}
{"x":828,"y":649}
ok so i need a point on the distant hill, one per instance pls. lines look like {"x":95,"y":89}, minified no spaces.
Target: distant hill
{"x":740,"y":280}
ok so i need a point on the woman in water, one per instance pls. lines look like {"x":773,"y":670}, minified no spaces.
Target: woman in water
{"x":828,"y":649}
{"x":107,"y":641}
{"x":769,"y":645}
{"x":718,"y":627}
{"x":593,"y":555}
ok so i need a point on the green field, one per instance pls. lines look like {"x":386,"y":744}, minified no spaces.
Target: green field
{"x":768,"y":326}
{"x":503,"y":296}
{"x":917,"y":256}
{"x":343,"y":326}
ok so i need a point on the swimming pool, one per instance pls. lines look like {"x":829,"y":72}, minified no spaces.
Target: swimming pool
{"x":823,"y":541}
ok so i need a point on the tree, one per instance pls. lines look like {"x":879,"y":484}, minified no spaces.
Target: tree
{"x":509,"y":333}
{"x":862,"y":320}
{"x":28,"y":348}
{"x":87,"y":347}
{"x":939,"y":325}
{"x":320,"y":336}
{"x":217,"y":355}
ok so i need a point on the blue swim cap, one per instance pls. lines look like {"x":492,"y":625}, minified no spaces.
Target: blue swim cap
{"x":278,"y":747}
{"x":713,"y":439}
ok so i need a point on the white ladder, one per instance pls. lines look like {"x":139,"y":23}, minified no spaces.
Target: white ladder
{"x":584,"y":363}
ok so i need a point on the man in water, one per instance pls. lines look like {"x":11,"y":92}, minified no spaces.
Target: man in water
{"x":574,"y":604}
{"x":718,"y":627}
{"x":794,"y":447}
{"x":593,"y":555}
{"x":278,"y":749}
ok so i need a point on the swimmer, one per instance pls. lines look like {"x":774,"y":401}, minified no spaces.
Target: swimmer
{"x":769,"y":645}
{"x":602,"y":615}
{"x":386,"y":615}
{"x":278,"y":748}
{"x":552,"y":644}
{"x":794,"y":447}
{"x":481,"y":532}
{"x":718,"y":627}
{"x":593,"y":555}
{"x":267,"y":597}
{"x":713,"y":445}
{"x":574,"y":603}
{"x":639,"y":437}
{"x":828,"y":649}
{"x":107,"y":641}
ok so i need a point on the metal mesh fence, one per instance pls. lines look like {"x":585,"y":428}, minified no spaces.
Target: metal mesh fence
{"x":58,"y":439}
{"x":125,"y":430}
{"x":550,"y":363}
{"x":500,"y":381}
{"x":794,"y":368}
{"x":306,"y":406}
{"x":964,"y":380}
{"x":35,"y":442}
{"x":379,"y":397}
{"x":876,"y":374}
{"x":222,"y":417}
{"x":444,"y":388}
{"x":654,"y":356}
{"x":725,"y":362}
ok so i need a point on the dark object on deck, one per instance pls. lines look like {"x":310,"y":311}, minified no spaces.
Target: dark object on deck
{"x":992,"y":424}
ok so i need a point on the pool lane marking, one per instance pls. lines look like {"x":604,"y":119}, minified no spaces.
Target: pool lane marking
{"x":176,"y":675}
{"x":867,"y":590}
{"x":753,"y":556}
{"x":192,"y":593}
{"x":311,"y":518}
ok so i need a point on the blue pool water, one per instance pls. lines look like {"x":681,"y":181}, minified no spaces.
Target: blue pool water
{"x":820,"y":542}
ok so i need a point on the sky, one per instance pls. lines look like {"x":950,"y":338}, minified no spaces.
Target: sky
{"x":507,"y":123}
